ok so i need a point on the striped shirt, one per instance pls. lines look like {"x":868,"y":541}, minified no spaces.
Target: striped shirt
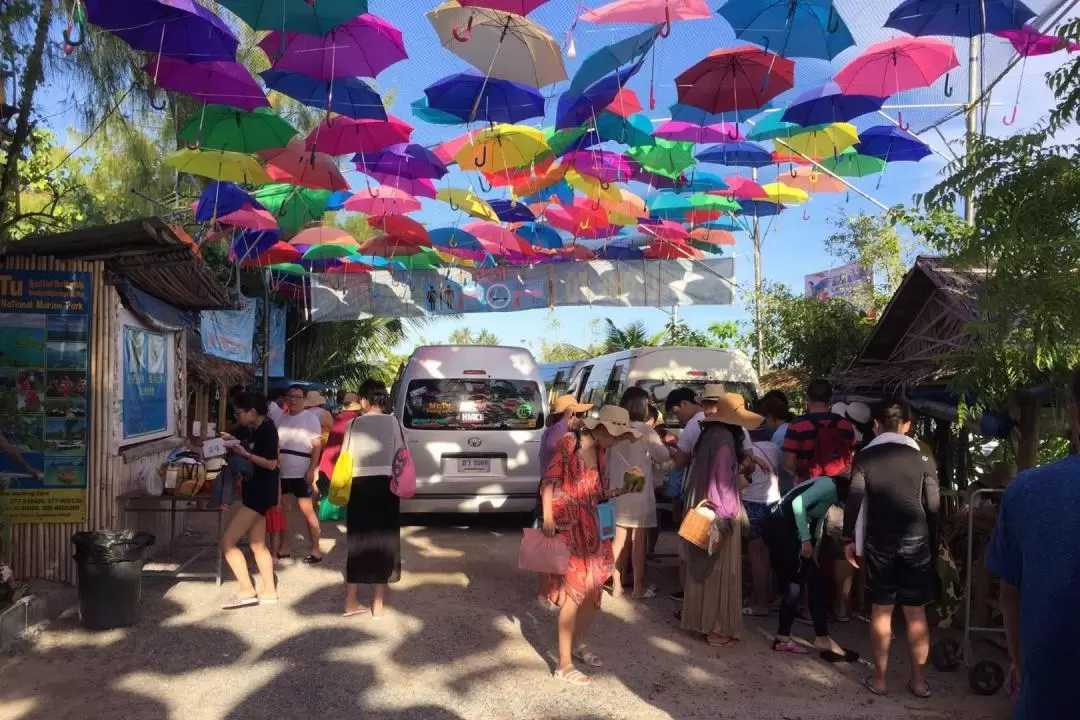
{"x":801,"y":434}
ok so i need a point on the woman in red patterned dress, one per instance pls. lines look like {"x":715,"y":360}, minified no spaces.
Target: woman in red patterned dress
{"x":575,"y":482}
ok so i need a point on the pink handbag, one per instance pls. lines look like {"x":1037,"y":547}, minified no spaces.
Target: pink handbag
{"x":540,"y":554}
{"x":403,"y":480}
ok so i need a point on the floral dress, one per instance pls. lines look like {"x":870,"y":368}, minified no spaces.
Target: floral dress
{"x":577,"y":491}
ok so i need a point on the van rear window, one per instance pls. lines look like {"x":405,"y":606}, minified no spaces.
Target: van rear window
{"x":745,"y":389}
{"x":468,"y":404}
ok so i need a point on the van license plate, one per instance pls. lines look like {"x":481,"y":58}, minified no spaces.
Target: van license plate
{"x":474,"y":466}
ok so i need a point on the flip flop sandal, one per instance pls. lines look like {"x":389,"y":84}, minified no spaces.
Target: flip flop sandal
{"x":849,"y":656}
{"x":354,"y":613}
{"x":868,"y":683}
{"x":236,"y":602}
{"x":589,"y":658}
{"x":731,"y":642}
{"x":573,"y":676}
{"x":923,"y":695}
{"x":648,"y":594}
{"x":312,"y":560}
{"x":268,"y":600}
{"x":789,"y":647}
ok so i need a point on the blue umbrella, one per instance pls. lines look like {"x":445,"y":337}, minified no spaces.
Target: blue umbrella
{"x":891,"y":144}
{"x":451,"y":238}
{"x":958,"y":18}
{"x":727,"y":223}
{"x":703,"y":182}
{"x":472,"y":97}
{"x":573,"y":110}
{"x":740,"y":154}
{"x":560,"y":190}
{"x":540,"y":235}
{"x":828,"y":104}
{"x":351,"y":96}
{"x":221,"y":198}
{"x":610,"y":58}
{"x":337,"y":199}
{"x":668,"y":206}
{"x":178,"y":28}
{"x":635,"y":130}
{"x":771,"y":126}
{"x":792,"y":28}
{"x":511,"y":211}
{"x":691,"y":114}
{"x":760,"y":208}
{"x":421,"y":110}
{"x":618,"y":251}
{"x":250,"y":243}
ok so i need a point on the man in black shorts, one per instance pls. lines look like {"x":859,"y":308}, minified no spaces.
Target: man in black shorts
{"x":900,"y":484}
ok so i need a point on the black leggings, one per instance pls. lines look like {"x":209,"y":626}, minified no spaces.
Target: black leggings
{"x":792,"y":572}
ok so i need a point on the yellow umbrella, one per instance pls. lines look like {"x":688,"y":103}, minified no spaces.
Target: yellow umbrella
{"x":502,"y":147}
{"x":454,"y":260}
{"x":219,"y":165}
{"x":778,"y":192}
{"x":824,"y":142}
{"x":627,"y":211}
{"x":469,"y":202}
{"x":592,"y":187}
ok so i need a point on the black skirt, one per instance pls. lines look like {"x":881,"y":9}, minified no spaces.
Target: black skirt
{"x":373,"y":529}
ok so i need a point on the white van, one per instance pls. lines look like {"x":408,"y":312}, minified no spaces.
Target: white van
{"x":556,"y":377}
{"x":473,"y":416}
{"x":660,"y":370}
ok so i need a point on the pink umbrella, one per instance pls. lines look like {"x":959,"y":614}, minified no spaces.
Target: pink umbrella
{"x":401,"y":228}
{"x":498,"y":240}
{"x":340,"y":135}
{"x":217,"y":82}
{"x":250,"y":217}
{"x":689,"y":132}
{"x":518,"y":7}
{"x":604,"y":165}
{"x":446,"y":151}
{"x":742,"y":189}
{"x":1028,"y":41}
{"x":664,"y":230}
{"x":417,"y":187}
{"x":653,"y":12}
{"x":365,"y":46}
{"x":382,"y":201}
{"x":294,"y":165}
{"x":323,"y":235}
{"x":897,"y":65}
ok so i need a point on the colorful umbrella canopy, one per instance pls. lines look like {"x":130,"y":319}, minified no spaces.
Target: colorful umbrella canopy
{"x":329,"y":252}
{"x":421,"y":111}
{"x":302,"y":16}
{"x":712,"y":203}
{"x":891,"y":144}
{"x":382,"y":201}
{"x":404,"y":160}
{"x":897,"y":65}
{"x":793,"y":28}
{"x":672,"y":250}
{"x":743,"y":154}
{"x":471,"y":97}
{"x":736,"y":78}
{"x":1029,"y":41}
{"x":419,"y":187}
{"x":540,"y":182}
{"x":760,"y":208}
{"x":664,"y":230}
{"x":351,"y":97}
{"x":499,"y":44}
{"x":510,"y":211}
{"x":255,"y":218}
{"x":828,"y":104}
{"x":347,"y":266}
{"x":218,"y":165}
{"x":455,"y":240}
{"x":337,"y":199}
{"x":502,"y":147}
{"x":295,"y":165}
{"x":293,"y":207}
{"x":653,"y":12}
{"x":852,"y":164}
{"x":958,"y":18}
{"x":222,"y":127}
{"x":220,"y":198}
{"x":609,"y":58}
{"x":214,"y":81}
{"x":669,"y":206}
{"x":340,"y":135}
{"x":468,"y":202}
{"x":447,"y":149}
{"x":323,"y":235}
{"x":365,"y":46}
{"x":691,"y":114}
{"x":665,"y":158}
{"x":830,"y":140}
{"x":619,"y":251}
{"x":778,"y":192}
{"x":173,"y":28}
{"x":401,"y":227}
{"x":689,"y":132}
{"x":729,"y":224}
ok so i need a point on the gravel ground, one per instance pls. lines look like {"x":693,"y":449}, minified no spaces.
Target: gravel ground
{"x":461,"y":639}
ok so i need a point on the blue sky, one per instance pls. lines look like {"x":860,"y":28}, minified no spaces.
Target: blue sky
{"x":793,"y":247}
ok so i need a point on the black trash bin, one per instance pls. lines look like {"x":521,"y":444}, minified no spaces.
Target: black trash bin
{"x":109,"y":570}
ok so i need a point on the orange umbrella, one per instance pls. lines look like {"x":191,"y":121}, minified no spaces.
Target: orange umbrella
{"x":576,"y":252}
{"x":401,"y":228}
{"x":519,"y":176}
{"x":294,"y":165}
{"x":812,"y":181}
{"x":712,"y":237}
{"x":543,"y":181}
{"x":323,"y":235}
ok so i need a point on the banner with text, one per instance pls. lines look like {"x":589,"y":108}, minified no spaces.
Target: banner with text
{"x":661,"y":283}
{"x":849,"y":282}
{"x":228,"y":333}
{"x":44,"y":394}
{"x":146,"y":382}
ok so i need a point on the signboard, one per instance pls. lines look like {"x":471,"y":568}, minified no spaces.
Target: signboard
{"x":849,"y":282}
{"x":146,"y":382}
{"x":228,"y":333}
{"x":44,"y":394}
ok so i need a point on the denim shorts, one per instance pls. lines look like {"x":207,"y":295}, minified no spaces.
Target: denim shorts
{"x":757,"y":512}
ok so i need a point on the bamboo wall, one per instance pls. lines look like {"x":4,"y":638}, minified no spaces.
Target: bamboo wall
{"x":44,"y":551}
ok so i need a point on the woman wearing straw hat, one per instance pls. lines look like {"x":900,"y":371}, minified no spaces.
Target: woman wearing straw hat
{"x":574,"y":483}
{"x":315,"y":403}
{"x":712,"y":604}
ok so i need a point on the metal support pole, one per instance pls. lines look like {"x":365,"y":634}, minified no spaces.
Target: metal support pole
{"x":972,"y":118}
{"x":266,"y":334}
{"x":759,"y":331}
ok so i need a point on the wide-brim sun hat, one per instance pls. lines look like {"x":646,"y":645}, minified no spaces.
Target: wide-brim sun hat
{"x":314,"y":398}
{"x":713,"y":392}
{"x":615,"y":420}
{"x":858,"y":413}
{"x":731,"y":409}
{"x":569,"y":402}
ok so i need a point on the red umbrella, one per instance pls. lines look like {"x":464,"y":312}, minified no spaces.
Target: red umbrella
{"x":294,"y":165}
{"x":625,"y":104}
{"x":401,"y":228}
{"x":340,"y":135}
{"x":672,"y":250}
{"x":739,"y":78}
{"x":576,"y":252}
{"x":250,"y":217}
{"x":279,"y":252}
{"x":497,"y":240}
{"x":778,"y":158}
{"x":388,"y":246}
{"x":349,"y":267}
{"x":664,"y":230}
{"x":698,"y":217}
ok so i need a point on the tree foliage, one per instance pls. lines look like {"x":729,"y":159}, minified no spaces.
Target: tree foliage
{"x":617,"y":339}
{"x":872,"y":242}
{"x":465,"y":336}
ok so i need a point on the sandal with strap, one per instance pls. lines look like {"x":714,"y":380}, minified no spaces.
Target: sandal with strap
{"x":573,"y":676}
{"x":589,"y":658}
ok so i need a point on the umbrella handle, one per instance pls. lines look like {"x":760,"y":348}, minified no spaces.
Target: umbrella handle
{"x":70,"y":42}
{"x":480,"y":182}
{"x":733,"y":134}
{"x":1006,"y":120}
{"x":765,"y":44}
{"x":605,"y":186}
{"x":948,"y":87}
{"x":463,"y":37}
{"x":665,"y":29}
{"x":834,"y":20}
{"x":160,"y":106}
{"x":905,"y":126}
{"x":482,"y":160}
{"x":805,"y":213}
{"x":793,"y":172}
{"x":597,"y":205}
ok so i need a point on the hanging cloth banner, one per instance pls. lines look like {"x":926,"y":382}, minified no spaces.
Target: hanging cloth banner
{"x":653,"y":283}
{"x":277,"y":339}
{"x":228,"y":333}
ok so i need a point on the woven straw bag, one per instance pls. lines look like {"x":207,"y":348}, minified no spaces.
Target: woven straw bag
{"x":698,"y":526}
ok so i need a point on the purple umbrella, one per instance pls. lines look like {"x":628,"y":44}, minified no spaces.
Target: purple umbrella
{"x":828,"y":104}
{"x":604,"y":165}
{"x":404,"y":160}
{"x":217,"y":82}
{"x":175,"y":28}
{"x":365,"y":46}
{"x":689,"y":132}
{"x":417,"y":187}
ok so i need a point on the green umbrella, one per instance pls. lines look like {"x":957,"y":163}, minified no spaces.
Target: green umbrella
{"x":329,"y":252}
{"x":426,"y":259}
{"x":707,"y":247}
{"x":302,"y":16}
{"x":635,"y":130}
{"x":289,"y":269}
{"x":293,"y":207}
{"x":560,"y":140}
{"x":220,"y":127}
{"x":666,"y":157}
{"x":669,"y":206}
{"x":852,"y":164}
{"x":718,"y":203}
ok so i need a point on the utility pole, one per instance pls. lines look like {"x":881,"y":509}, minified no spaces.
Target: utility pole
{"x":972,"y":118}
{"x":759,"y":331}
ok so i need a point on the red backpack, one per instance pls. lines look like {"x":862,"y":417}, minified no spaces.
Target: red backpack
{"x":832,"y":448}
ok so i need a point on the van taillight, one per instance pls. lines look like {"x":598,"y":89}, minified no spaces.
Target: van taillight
{"x":474,"y":372}
{"x":697,"y":373}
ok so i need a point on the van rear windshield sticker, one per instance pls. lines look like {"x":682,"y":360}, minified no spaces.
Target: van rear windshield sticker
{"x":473,"y":404}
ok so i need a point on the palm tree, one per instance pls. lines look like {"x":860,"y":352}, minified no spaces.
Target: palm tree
{"x":465,"y":336}
{"x":632,"y":336}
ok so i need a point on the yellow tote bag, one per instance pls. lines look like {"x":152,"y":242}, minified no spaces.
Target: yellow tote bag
{"x":341,"y":480}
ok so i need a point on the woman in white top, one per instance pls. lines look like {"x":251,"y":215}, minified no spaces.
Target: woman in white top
{"x":372,"y":517}
{"x":635,"y":512}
